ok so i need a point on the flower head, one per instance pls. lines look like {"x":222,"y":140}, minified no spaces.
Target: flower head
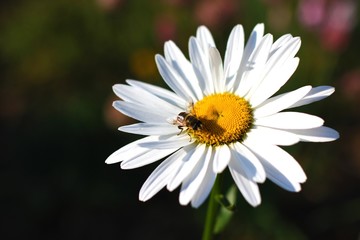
{"x":220,"y":114}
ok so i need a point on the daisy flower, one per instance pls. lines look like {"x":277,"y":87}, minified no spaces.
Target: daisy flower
{"x":220,"y":114}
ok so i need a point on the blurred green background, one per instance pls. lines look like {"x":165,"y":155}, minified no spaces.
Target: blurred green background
{"x":58,"y":62}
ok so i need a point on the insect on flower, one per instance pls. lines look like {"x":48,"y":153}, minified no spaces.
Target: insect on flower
{"x":187,"y":120}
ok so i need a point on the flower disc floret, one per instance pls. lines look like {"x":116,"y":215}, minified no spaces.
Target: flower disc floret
{"x":226,"y":118}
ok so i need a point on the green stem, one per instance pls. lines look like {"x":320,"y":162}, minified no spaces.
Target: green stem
{"x":212,"y":211}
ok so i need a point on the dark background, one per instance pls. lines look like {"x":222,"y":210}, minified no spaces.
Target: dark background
{"x":58,"y":62}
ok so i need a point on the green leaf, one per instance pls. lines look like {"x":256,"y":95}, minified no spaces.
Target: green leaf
{"x":227,"y":209}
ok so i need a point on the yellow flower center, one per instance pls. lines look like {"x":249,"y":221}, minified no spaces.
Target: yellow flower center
{"x":225,"y":118}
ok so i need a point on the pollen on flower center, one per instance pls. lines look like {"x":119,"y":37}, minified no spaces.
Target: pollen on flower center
{"x":225,"y":118}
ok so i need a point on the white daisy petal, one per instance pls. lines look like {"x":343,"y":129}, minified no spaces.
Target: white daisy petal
{"x":134,"y":155}
{"x":126,"y":93}
{"x":280,"y":102}
{"x":168,"y":142}
{"x":146,"y":157}
{"x":160,"y":176}
{"x":284,"y":52}
{"x":290,"y":120}
{"x":195,"y":179}
{"x":205,"y":39}
{"x":200,"y":63}
{"x":137,"y":111}
{"x":233,"y":54}
{"x":184,"y":68}
{"x":275,"y":61}
{"x":221,"y":158}
{"x":319,"y":134}
{"x":140,"y":96}
{"x":129,"y":151}
{"x":280,"y":42}
{"x":316,"y":94}
{"x":280,"y":167}
{"x":248,"y":188}
{"x":243,"y":158}
{"x":273,"y":136}
{"x":161,"y":93}
{"x":194,"y":154}
{"x":253,"y":42}
{"x":172,"y":79}
{"x":149,"y":129}
{"x":204,"y":189}
{"x":217,"y":71}
{"x":274,"y":81}
{"x":207,"y":183}
{"x":273,"y":68}
{"x":255,"y":66}
{"x":287,"y":45}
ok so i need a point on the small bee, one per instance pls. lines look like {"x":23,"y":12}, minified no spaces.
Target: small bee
{"x":187,"y":120}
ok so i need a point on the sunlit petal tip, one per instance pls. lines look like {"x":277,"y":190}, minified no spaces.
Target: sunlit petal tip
{"x":124,"y":152}
{"x":116,"y":87}
{"x":256,"y":204}
{"x":203,"y":32}
{"x":142,"y":200}
{"x":203,"y":35}
{"x":168,"y":43}
{"x":297,"y":39}
{"x":248,"y":188}
{"x":316,"y":94}
{"x":114,"y":103}
{"x":143,"y":196}
{"x":260,"y":27}
{"x":202,"y":28}
{"x":112,"y":159}
{"x":335,"y":135}
{"x":256,"y":201}
{"x":280,"y":102}
{"x":297,"y":188}
{"x":169,"y":48}
{"x":331,"y":89}
{"x":319,"y":134}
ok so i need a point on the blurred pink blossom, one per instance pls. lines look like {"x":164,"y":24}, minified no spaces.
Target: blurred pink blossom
{"x":331,"y":20}
{"x":312,"y":12}
{"x":340,"y":21}
{"x":165,"y":28}
{"x":109,"y":5}
{"x":213,"y":13}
